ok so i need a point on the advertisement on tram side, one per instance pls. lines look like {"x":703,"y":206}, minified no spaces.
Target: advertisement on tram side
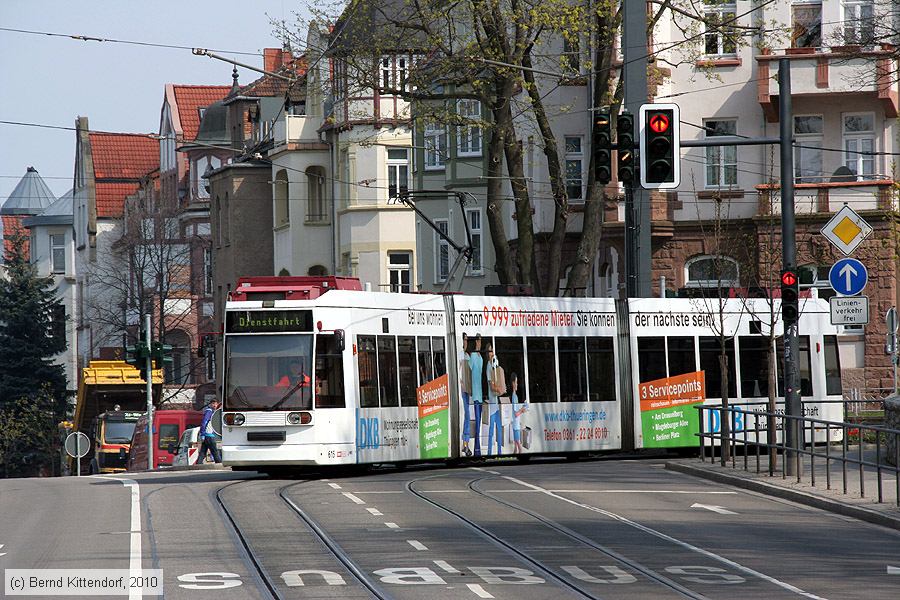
{"x":668,"y":416}
{"x":536,"y":375}
{"x":433,"y":399}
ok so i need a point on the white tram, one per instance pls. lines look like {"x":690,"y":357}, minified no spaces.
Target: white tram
{"x":314,"y":374}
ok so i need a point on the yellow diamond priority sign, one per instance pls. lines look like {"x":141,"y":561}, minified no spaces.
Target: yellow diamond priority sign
{"x":846,"y":230}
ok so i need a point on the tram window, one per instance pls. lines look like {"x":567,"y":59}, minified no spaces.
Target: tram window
{"x":406,"y":354}
{"x":426,"y":368}
{"x":601,"y":369}
{"x":804,"y":366}
{"x":651,"y":358}
{"x":710,"y":350}
{"x":681,"y":355}
{"x":754,"y":366}
{"x":368,"y":371}
{"x":572,"y":370}
{"x":387,"y":370}
{"x":329,"y":373}
{"x":440,"y":357}
{"x":541,"y":369}
{"x":511,"y":356}
{"x":833,"y":385}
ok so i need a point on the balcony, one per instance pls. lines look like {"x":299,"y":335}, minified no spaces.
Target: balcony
{"x":838,"y":70}
{"x":300,"y":130}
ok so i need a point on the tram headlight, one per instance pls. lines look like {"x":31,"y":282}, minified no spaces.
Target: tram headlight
{"x":293,"y":418}
{"x":234,"y":419}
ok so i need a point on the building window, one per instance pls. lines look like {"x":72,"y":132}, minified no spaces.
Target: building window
{"x":711,"y":272}
{"x":435,"y":146}
{"x":442,"y":256}
{"x":859,"y":144}
{"x":808,"y":148}
{"x":399,"y":270}
{"x":207,"y":271}
{"x":571,"y":58}
{"x":57,"y":252}
{"x":574,"y":168}
{"x":386,"y":79}
{"x":468,"y":140}
{"x":473,"y":216}
{"x":315,"y":182}
{"x":281,"y":193}
{"x":719,"y":39}
{"x":806,"y":20}
{"x":859,"y":22}
{"x":721,"y":161}
{"x":398,"y":172}
{"x":402,"y":73}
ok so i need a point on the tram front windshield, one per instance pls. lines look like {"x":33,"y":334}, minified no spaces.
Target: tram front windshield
{"x":268,"y":372}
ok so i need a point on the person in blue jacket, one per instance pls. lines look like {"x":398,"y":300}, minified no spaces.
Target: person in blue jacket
{"x":475,"y":364}
{"x":207,"y":435}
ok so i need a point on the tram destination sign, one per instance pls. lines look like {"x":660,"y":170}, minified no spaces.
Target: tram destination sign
{"x":268,"y":321}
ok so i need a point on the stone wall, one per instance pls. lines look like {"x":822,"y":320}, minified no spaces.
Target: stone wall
{"x":892,"y":421}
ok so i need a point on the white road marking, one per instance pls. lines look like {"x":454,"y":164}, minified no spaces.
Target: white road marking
{"x":417,"y":544}
{"x":354,"y":498}
{"x":382,"y":492}
{"x":478,"y":590}
{"x":893,"y":570}
{"x":392,"y":525}
{"x":716,"y":509}
{"x":335,"y":486}
{"x":375,"y":512}
{"x":668,"y":538}
{"x":4,"y":553}
{"x":134,"y":562}
{"x":596,"y":492}
{"x":447,"y":566}
{"x":494,"y":472}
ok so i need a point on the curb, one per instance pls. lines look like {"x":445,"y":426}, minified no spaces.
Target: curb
{"x":800,"y":497}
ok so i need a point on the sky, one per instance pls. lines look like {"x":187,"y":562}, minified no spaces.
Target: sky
{"x":119,"y":87}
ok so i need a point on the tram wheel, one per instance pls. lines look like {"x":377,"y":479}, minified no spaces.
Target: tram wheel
{"x":524,"y":458}
{"x":572,"y":458}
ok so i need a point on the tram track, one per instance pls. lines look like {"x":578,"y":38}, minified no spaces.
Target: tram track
{"x":254,"y":560}
{"x":548,"y":570}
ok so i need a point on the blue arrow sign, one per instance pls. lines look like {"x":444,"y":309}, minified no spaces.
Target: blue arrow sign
{"x":848,"y":277}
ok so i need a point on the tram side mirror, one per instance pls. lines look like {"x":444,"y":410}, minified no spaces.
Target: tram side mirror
{"x":171,"y":448}
{"x":339,"y":339}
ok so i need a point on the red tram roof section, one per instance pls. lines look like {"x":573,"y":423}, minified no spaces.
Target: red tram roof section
{"x":290,"y":288}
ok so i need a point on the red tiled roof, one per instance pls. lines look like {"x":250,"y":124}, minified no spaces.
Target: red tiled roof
{"x":191,"y":98}
{"x":124,"y":155}
{"x":111,"y":198}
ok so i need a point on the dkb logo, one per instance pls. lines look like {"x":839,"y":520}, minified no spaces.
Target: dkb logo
{"x":367,"y":435}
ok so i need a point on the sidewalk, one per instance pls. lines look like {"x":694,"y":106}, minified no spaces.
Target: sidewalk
{"x":851,"y":504}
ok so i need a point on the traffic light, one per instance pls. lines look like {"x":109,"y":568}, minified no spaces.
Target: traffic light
{"x":625,"y":145}
{"x":136,"y":355}
{"x":162,"y":355}
{"x":602,"y":147}
{"x":790,"y":297}
{"x":660,"y":146}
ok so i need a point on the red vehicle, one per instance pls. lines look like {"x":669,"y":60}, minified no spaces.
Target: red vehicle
{"x":167,"y":429}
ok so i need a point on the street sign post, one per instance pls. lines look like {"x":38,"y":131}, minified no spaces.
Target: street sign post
{"x":846,"y":230}
{"x":849,"y":310}
{"x":848,"y":277}
{"x":77,"y":445}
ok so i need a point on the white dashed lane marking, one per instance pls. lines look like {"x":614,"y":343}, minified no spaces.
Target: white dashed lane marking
{"x":356,"y":499}
{"x":392,"y":525}
{"x":335,"y":486}
{"x":417,"y":544}
{"x":375,"y":512}
{"x":478,"y":590}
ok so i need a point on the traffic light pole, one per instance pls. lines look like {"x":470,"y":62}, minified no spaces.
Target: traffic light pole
{"x":148,"y":377}
{"x":638,"y":269}
{"x":792,"y":405}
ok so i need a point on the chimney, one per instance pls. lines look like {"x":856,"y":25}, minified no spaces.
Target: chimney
{"x":271,"y":59}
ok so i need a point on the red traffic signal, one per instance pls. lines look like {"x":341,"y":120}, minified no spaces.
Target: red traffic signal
{"x":659,"y":122}
{"x":788,"y":278}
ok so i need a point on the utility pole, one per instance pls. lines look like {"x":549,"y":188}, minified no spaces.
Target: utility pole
{"x":637,"y":200}
{"x":148,"y":377}
{"x":792,"y":405}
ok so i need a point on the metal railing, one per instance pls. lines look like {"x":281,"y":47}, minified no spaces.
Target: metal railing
{"x":748,"y":437}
